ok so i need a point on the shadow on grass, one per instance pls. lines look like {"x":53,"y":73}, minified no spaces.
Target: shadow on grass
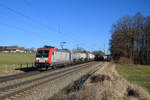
{"x":27,"y":69}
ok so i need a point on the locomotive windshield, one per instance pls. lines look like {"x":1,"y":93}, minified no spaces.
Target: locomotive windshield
{"x":42,"y":53}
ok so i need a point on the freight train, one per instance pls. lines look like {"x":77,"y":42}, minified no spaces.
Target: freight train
{"x":51,"y":58}
{"x":102,"y":58}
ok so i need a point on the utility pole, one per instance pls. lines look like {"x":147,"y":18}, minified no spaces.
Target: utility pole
{"x":104,"y":48}
{"x":92,"y":49}
{"x":77,"y":46}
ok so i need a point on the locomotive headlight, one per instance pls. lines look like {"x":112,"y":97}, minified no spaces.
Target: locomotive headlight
{"x":46,"y":61}
{"x":37,"y":61}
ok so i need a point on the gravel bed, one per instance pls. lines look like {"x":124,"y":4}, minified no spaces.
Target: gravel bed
{"x":11,"y":82}
{"x":3,"y":74}
{"x":47,"y":90}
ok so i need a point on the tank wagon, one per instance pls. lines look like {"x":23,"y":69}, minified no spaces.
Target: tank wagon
{"x":102,"y":58}
{"x":78,"y":57}
{"x":91,"y":57}
{"x":51,"y":57}
{"x":99,"y":58}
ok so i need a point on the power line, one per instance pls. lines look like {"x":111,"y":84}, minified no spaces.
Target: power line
{"x":29,"y":18}
{"x":15,"y":27}
{"x":33,"y":20}
{"x":26,"y":17}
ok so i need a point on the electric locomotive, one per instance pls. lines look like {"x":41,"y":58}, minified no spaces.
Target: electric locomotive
{"x":51,"y":57}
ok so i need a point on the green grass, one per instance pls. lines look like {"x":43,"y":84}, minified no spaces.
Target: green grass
{"x":138,"y":74}
{"x":16,"y":59}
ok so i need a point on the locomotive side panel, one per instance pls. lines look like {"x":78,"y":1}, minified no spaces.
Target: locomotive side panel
{"x":60,"y":58}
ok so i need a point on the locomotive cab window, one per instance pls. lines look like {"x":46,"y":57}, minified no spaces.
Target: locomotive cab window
{"x":42,"y":53}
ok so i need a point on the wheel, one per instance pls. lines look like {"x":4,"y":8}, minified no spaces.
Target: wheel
{"x":54,"y":67}
{"x":46,"y":68}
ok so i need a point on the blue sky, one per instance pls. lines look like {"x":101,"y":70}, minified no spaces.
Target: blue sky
{"x":34,"y":23}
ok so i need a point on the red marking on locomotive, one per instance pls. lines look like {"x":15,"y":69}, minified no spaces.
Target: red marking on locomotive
{"x":51,"y":50}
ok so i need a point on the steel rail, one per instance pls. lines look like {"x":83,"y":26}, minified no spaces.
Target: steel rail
{"x":27,"y":74}
{"x":14,"y":88}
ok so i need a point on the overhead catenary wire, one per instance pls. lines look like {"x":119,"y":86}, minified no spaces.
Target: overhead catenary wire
{"x":37,"y":23}
{"x":27,"y":17}
{"x":15,"y":27}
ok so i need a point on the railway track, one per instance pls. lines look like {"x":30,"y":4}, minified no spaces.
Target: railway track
{"x":24,"y":75}
{"x":17,"y":76}
{"x":13,"y":89}
{"x":14,"y":79}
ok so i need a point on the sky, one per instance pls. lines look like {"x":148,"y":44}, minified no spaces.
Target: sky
{"x":83,"y":23}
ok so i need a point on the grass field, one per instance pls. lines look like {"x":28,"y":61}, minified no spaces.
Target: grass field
{"x":137,"y":74}
{"x":16,"y":59}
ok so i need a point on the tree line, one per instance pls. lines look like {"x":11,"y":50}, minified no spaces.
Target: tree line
{"x":131,"y":39}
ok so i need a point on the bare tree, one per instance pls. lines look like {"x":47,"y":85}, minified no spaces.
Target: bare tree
{"x":131,"y":38}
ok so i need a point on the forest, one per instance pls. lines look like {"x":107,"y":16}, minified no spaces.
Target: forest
{"x":130,"y":40}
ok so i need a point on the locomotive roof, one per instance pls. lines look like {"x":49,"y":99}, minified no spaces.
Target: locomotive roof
{"x":46,"y":48}
{"x":61,"y":50}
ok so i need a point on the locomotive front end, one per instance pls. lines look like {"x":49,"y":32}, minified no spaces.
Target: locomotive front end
{"x":42,"y":59}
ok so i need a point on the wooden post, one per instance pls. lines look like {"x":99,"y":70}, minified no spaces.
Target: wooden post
{"x":20,"y":66}
{"x":13,"y":66}
{"x":5,"y":68}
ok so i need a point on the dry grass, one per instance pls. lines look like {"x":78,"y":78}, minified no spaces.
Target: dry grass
{"x":124,"y":60}
{"x":106,"y":84}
